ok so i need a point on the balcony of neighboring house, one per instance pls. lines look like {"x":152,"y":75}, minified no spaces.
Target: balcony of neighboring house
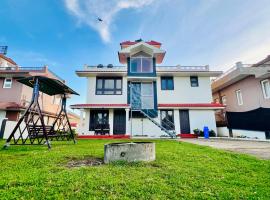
{"x":239,"y":72}
{"x":101,"y":69}
{"x":18,"y":70}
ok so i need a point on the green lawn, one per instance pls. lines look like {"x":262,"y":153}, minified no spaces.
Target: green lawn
{"x":181,"y":171}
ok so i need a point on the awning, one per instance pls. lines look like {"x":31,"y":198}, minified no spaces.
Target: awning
{"x":82,"y":106}
{"x":214,"y":106}
{"x":48,"y":85}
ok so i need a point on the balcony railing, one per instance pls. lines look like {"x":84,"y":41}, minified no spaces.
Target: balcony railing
{"x":29,"y":69}
{"x":183,"y":68}
{"x":18,"y":68}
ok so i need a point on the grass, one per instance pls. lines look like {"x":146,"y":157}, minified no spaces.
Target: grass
{"x":181,"y":171}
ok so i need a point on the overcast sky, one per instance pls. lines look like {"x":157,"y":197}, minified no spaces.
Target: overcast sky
{"x":65,"y":34}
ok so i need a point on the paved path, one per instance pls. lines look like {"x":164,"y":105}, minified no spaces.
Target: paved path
{"x":255,"y":148}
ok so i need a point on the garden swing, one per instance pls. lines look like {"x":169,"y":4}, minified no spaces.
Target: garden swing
{"x":31,"y":128}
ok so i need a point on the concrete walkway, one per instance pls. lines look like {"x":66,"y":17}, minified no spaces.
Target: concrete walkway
{"x":258,"y":149}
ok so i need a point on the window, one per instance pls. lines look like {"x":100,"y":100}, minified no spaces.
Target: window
{"x":141,"y":65}
{"x":224,"y":100}
{"x":142,"y":95}
{"x":266,"y":88}
{"x":194,"y":81}
{"x":239,"y":97}
{"x":97,"y":118}
{"x":167,"y":83}
{"x":7,"y":83}
{"x":167,"y":119}
{"x":109,"y":86}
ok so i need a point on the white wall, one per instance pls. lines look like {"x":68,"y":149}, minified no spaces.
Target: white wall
{"x":224,"y":132}
{"x":83,"y":128}
{"x":184,"y":93}
{"x":10,"y":125}
{"x":2,"y":116}
{"x":105,"y":99}
{"x":201,"y":118}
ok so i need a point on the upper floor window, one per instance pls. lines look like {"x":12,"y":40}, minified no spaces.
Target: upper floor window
{"x":109,"y":86}
{"x":167,"y":83}
{"x":239,"y":97}
{"x":7,"y":83}
{"x":141,"y":65}
{"x":224,"y":100}
{"x":194,"y":81}
{"x":266,"y":88}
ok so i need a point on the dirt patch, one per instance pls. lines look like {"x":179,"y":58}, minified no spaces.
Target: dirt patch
{"x":90,"y":161}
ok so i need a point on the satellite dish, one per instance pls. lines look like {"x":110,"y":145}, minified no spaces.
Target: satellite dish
{"x":3,"y":50}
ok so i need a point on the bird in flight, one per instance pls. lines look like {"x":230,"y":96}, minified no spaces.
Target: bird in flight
{"x":99,"y":19}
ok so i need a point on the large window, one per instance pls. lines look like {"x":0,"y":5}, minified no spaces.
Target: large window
{"x":239,"y":97}
{"x":194,"y":81}
{"x":167,"y":83}
{"x":109,"y":86}
{"x":266,"y":88}
{"x":98,"y":118}
{"x":7,"y":83}
{"x":142,"y":95}
{"x":167,"y":119}
{"x":141,"y":65}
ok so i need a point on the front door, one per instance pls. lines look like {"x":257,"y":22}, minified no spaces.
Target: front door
{"x":119,"y":122}
{"x":184,"y":121}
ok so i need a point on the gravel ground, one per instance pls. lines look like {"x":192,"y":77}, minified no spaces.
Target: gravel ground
{"x":258,"y":149}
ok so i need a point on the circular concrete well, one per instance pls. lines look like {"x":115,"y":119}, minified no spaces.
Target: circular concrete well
{"x":129,"y":151}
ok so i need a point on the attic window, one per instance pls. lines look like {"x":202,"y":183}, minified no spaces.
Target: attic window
{"x":141,"y":65}
{"x":7,"y":83}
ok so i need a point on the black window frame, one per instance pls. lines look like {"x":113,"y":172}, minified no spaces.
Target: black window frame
{"x":166,"y":79}
{"x":161,"y":122}
{"x":93,"y":118}
{"x":194,"y":80}
{"x":103,"y":90}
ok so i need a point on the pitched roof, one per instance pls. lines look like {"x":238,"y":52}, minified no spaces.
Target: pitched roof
{"x":152,"y":42}
{"x":8,"y":59}
{"x":267,"y":59}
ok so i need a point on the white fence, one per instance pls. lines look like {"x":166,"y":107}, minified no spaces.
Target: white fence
{"x":224,"y":132}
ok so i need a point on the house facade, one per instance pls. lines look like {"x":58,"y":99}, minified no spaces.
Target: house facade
{"x":144,"y":98}
{"x":15,"y":97}
{"x":244,"y":90}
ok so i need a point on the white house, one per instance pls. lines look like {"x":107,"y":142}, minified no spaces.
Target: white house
{"x":144,"y":98}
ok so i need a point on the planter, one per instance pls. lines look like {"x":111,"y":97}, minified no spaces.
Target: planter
{"x":129,"y":151}
{"x":184,"y":135}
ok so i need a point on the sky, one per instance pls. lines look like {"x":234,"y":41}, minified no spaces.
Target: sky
{"x":65,"y":34}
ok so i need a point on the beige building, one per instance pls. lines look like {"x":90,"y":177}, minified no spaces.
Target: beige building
{"x":15,"y":97}
{"x":243,"y":88}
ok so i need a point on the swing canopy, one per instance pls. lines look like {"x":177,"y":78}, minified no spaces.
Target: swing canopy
{"x":31,"y":127}
{"x":48,"y":85}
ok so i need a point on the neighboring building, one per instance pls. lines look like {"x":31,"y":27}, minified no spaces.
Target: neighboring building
{"x":243,"y":89}
{"x":176,"y":99}
{"x":15,"y":97}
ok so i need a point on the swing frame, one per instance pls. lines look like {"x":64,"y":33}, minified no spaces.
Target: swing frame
{"x":39,"y":133}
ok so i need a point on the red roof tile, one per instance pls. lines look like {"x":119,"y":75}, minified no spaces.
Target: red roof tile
{"x":152,"y":42}
{"x":100,"y":105}
{"x":192,"y":105}
{"x":8,"y":59}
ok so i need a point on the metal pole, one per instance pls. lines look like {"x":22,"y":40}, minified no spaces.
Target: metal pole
{"x":130,"y":89}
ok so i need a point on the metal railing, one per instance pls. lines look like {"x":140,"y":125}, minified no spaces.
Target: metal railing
{"x":183,"y":68}
{"x":147,"y":110}
{"x":18,"y":68}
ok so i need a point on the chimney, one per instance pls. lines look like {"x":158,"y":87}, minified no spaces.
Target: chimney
{"x":239,"y":64}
